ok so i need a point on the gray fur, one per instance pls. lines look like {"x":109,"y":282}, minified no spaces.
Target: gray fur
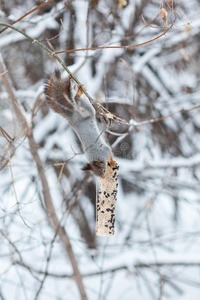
{"x":83,"y":121}
{"x":81,"y":115}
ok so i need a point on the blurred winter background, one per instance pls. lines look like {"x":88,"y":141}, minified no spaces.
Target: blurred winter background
{"x":155,"y":252}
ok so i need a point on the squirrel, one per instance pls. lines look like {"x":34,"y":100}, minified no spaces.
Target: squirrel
{"x":73,"y":105}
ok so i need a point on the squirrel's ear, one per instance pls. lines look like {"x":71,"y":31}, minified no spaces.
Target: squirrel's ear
{"x":87,"y":167}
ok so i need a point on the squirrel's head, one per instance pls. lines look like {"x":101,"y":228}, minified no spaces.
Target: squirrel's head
{"x":96,"y":166}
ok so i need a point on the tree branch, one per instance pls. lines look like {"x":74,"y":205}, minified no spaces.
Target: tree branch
{"x":139,"y":265}
{"x":97,"y":106}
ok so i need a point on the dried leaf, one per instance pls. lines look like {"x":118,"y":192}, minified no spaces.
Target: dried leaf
{"x":163,"y":15}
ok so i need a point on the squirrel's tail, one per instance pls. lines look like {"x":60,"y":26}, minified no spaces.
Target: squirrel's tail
{"x":58,"y":93}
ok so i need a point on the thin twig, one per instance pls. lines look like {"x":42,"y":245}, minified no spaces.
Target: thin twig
{"x":28,"y":13}
{"x":6,"y":135}
{"x":57,"y":35}
{"x":46,"y":268}
{"x":139,"y":265}
{"x":151,"y":121}
{"x":133,"y":124}
{"x":121,"y":47}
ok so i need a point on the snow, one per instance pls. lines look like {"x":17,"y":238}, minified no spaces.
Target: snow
{"x":154,"y":253}
{"x":35,"y":32}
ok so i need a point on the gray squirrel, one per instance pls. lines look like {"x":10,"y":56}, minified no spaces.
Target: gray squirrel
{"x":79,"y":112}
